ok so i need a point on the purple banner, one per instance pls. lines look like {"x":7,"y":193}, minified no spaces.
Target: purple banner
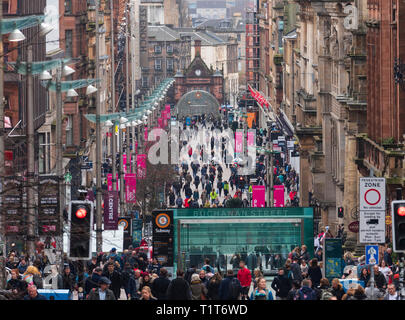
{"x":111,"y":210}
{"x":258,"y":196}
{"x":278,"y":195}
{"x":130,"y":187}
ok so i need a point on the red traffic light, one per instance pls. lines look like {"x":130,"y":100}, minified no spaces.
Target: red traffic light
{"x":401,"y":211}
{"x":81,"y":213}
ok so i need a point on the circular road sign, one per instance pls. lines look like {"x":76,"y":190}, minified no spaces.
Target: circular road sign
{"x":372,"y":197}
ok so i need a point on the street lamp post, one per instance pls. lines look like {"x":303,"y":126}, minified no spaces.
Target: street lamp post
{"x":99,"y":231}
{"x":31,"y":208}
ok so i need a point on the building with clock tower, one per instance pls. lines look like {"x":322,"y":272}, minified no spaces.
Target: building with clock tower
{"x":198,"y":77}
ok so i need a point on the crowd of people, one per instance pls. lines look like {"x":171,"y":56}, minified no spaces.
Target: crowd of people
{"x":206,"y":176}
{"x":131,"y":275}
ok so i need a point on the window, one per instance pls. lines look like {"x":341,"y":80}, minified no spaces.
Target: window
{"x":44,"y":159}
{"x":68,"y":44}
{"x":5,"y":7}
{"x":169,"y":64}
{"x":68,"y":6}
{"x":169,"y":49}
{"x":158,"y":64}
{"x":158,"y":49}
{"x":69,"y":130}
{"x":144,"y":81}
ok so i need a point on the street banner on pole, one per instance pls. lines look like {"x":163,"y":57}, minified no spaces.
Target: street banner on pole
{"x":111,"y":210}
{"x":239,"y":141}
{"x":124,"y":161}
{"x":251,"y":138}
{"x":160,"y":122}
{"x":258,"y":196}
{"x":141,"y":164}
{"x":130,"y":187}
{"x":278,"y":194}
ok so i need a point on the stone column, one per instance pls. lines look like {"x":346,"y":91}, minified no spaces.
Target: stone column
{"x":351,"y":189}
{"x":305,"y":175}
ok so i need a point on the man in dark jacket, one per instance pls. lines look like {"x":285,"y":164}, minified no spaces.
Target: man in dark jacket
{"x":281,"y":285}
{"x":230,"y":288}
{"x":388,"y":257}
{"x":69,"y":280}
{"x":92,"y":281}
{"x":296,"y":270}
{"x":102,"y":292}
{"x":115,"y":277}
{"x":179,"y":289}
{"x":160,"y":285}
{"x":379,"y":278}
{"x":33,"y":294}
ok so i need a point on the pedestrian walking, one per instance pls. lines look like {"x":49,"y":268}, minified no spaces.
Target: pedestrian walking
{"x":102,"y":292}
{"x":179,"y":289}
{"x":245,"y":278}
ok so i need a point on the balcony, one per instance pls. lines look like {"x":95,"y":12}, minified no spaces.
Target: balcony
{"x":385,"y":159}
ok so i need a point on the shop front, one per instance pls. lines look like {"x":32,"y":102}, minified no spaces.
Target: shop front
{"x":262,"y":237}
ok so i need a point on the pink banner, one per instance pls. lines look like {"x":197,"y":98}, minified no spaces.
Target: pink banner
{"x":278,"y":195}
{"x":130,"y":187}
{"x":164,"y":122}
{"x":160,"y":122}
{"x":251,"y":138}
{"x":145,"y":128}
{"x":239,"y":141}
{"x":141,"y":164}
{"x":124,"y":162}
{"x":258,"y":196}
{"x":167,"y":108}
{"x":109,"y":182}
{"x":167,"y":113}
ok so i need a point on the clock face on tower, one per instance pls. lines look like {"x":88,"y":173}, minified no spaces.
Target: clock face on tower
{"x":198,"y":72}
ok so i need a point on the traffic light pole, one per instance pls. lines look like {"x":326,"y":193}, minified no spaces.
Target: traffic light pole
{"x":99,"y":234}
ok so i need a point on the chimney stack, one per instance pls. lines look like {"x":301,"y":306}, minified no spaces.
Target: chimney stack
{"x":197,"y":48}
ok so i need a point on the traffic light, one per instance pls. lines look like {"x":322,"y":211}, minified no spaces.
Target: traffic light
{"x":340,"y":212}
{"x":398,"y":225}
{"x":80,"y":224}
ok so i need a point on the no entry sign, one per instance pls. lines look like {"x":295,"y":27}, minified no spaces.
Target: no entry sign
{"x":372,"y":194}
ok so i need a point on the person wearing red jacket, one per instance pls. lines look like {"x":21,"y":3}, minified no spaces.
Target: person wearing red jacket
{"x":245,"y":279}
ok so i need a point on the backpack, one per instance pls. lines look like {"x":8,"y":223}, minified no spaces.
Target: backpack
{"x":234,"y":289}
{"x":303,"y":296}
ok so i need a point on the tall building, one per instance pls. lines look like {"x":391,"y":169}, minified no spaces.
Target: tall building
{"x":380,"y":149}
{"x":15,"y":86}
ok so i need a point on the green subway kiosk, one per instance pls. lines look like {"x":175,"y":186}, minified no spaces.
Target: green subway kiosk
{"x":262,"y":237}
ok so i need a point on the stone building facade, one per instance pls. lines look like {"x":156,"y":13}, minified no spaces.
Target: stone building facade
{"x":380,"y":149}
{"x":197,"y":76}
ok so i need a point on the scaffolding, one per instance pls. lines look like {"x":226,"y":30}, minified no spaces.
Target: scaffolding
{"x":252,"y":46}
